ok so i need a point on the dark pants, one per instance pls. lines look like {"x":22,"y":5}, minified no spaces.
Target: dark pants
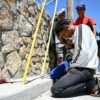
{"x":73,"y":82}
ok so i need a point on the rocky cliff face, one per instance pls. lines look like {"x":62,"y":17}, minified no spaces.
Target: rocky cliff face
{"x":18,"y":20}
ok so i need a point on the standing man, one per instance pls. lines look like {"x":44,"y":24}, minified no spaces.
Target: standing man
{"x":80,"y":77}
{"x":82,"y":19}
{"x":56,"y":47}
{"x":63,"y":52}
{"x":59,"y":46}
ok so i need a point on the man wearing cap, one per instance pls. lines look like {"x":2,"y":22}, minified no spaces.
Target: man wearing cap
{"x":61,"y":14}
{"x":63,"y":52}
{"x":80,"y":77}
{"x":56,"y":53}
{"x":82,"y":19}
{"x":59,"y":46}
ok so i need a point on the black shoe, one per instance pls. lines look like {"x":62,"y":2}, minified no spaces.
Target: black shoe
{"x":96,"y":89}
{"x":95,"y":93}
{"x":89,"y":85}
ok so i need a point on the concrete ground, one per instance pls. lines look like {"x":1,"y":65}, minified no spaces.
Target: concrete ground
{"x":37,"y":88}
{"x":47,"y":96}
{"x":20,"y":91}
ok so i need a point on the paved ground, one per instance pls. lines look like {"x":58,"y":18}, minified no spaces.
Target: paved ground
{"x":47,"y":96}
{"x":20,"y":91}
{"x":35,"y":88}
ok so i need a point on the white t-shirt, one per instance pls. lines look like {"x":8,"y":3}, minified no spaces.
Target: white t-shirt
{"x":88,"y":54}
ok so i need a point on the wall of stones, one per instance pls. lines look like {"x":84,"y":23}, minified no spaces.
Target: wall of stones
{"x":18,"y":20}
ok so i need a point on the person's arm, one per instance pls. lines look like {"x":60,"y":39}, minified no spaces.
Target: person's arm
{"x":93,"y":25}
{"x":94,"y":30}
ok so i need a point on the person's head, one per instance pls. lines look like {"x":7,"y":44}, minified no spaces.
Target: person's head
{"x":64,"y":29}
{"x":61,"y":14}
{"x":80,"y":9}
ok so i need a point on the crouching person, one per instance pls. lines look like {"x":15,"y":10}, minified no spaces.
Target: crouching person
{"x":80,"y":77}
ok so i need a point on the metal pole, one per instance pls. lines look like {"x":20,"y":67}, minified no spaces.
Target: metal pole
{"x":33,"y":44}
{"x":44,"y":62}
{"x":49,"y":2}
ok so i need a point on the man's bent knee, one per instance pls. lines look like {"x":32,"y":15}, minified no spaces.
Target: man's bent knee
{"x":55,"y":91}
